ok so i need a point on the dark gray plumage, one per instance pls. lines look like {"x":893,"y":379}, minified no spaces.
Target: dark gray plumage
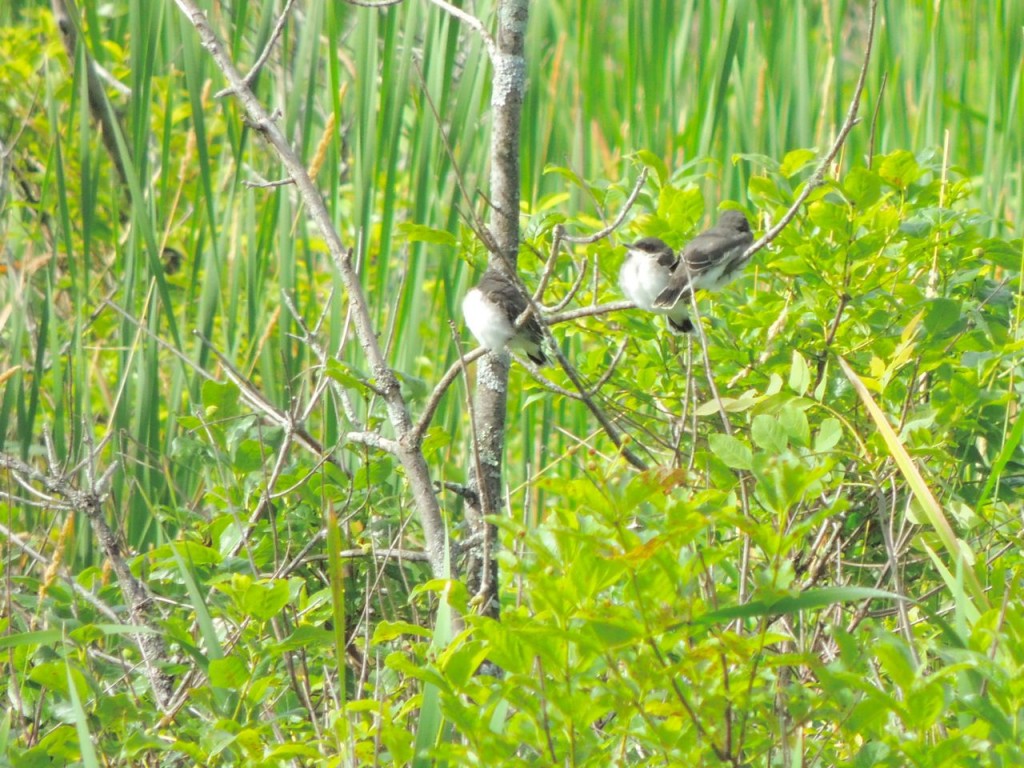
{"x":710,"y":260}
{"x":491,"y":308}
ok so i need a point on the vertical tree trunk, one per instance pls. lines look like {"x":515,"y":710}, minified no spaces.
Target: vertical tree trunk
{"x":508,"y":87}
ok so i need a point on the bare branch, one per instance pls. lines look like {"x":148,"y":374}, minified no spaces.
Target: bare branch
{"x":587,"y":239}
{"x":573,"y":289}
{"x":416,"y":471}
{"x":616,"y":359}
{"x":250,"y":76}
{"x":423,"y":424}
{"x":15,"y":539}
{"x":89,"y":502}
{"x":266,"y":184}
{"x":559,"y":236}
{"x":591,"y":311}
{"x":386,"y":555}
{"x":602,"y":419}
{"x":255,"y":399}
{"x":473,"y":23}
{"x":374,"y":440}
{"x":818,"y":177}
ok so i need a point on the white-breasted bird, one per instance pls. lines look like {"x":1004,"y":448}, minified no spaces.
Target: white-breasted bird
{"x":646,"y":273}
{"x":491,"y":308}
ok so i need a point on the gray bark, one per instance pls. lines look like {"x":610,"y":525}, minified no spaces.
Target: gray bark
{"x":490,"y":399}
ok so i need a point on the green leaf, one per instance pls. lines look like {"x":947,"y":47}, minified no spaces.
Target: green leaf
{"x":229,"y":673}
{"x":421,"y":233}
{"x":766,"y":162}
{"x":39,"y":637}
{"x":612,"y":633}
{"x":900,"y":168}
{"x":793,"y":421}
{"x":799,"y":374}
{"x":345,"y":375}
{"x":265,"y":598}
{"x":924,"y":704}
{"x":250,"y":454}
{"x":655,"y":163}
{"x":192,"y":552}
{"x":862,"y":186}
{"x":306,"y":637}
{"x":219,"y":398}
{"x":387,"y":631}
{"x":730,"y":450}
{"x":807,"y":600}
{"x":681,"y":209}
{"x":942,"y":315}
{"x":730,"y":404}
{"x":768,"y":434}
{"x":829,"y":217}
{"x":289,"y":753}
{"x":830,"y":432}
{"x":56,"y":675}
{"x":435,"y":439}
{"x":764,"y":191}
{"x":460,"y":661}
{"x":795,"y":161}
{"x":895,"y":657}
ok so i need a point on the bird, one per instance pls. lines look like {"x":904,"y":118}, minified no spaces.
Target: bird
{"x":646,"y":273}
{"x":491,"y":308}
{"x":709,"y":261}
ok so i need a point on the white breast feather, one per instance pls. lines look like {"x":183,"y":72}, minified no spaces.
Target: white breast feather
{"x":642,"y":279}
{"x":486,"y":321}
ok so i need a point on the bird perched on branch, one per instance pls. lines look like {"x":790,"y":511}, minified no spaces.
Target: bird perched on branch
{"x":491,"y":308}
{"x":709,"y":261}
{"x":657,"y":280}
{"x":646,"y":272}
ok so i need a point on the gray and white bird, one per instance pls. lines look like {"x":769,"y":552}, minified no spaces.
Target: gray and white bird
{"x":646,"y":273}
{"x":709,"y":261}
{"x":491,"y":308}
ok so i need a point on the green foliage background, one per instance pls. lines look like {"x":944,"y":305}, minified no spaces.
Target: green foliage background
{"x":713,"y":610}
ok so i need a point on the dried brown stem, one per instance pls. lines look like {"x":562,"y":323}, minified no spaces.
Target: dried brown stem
{"x":417,"y":473}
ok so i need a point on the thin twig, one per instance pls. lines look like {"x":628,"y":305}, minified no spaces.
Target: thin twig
{"x":570,"y":295}
{"x":89,"y":501}
{"x":374,"y":4}
{"x":427,"y":415}
{"x":818,"y":177}
{"x":587,"y":239}
{"x":591,"y":311}
{"x":473,"y":23}
{"x":374,"y":440}
{"x":874,"y":119}
{"x":250,"y":76}
{"x":417,"y":473}
{"x":559,"y":235}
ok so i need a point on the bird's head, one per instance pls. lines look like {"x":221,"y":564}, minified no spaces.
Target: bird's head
{"x":654,"y":247}
{"x":733,"y":221}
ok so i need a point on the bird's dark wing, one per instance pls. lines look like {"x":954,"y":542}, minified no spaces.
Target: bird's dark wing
{"x":500,"y":290}
{"x":699,"y":256}
{"x":678,"y":285}
{"x":707,"y":248}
